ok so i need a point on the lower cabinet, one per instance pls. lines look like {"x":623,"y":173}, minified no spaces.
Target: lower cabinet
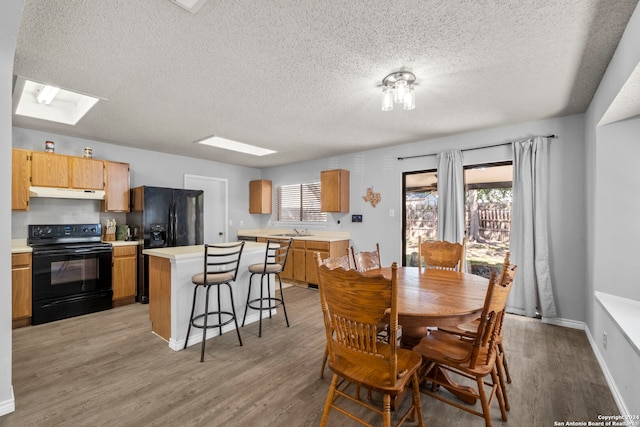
{"x":21,"y":289}
{"x":124,"y":274}
{"x":301,"y":265}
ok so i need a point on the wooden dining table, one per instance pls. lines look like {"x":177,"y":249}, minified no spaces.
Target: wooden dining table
{"x":435,"y":298}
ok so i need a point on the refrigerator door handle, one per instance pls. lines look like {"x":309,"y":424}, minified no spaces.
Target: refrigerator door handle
{"x":173,"y":223}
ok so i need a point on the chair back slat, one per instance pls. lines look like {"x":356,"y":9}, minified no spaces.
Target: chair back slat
{"x":277,"y":252}
{"x":441,"y":254}
{"x":489,"y":327}
{"x":364,"y":261}
{"x":222,"y":258}
{"x":352,"y":306}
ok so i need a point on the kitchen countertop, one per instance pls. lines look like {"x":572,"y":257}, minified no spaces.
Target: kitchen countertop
{"x":186,"y":252}
{"x":315,"y":235}
{"x":19,"y":246}
{"x":122,"y":242}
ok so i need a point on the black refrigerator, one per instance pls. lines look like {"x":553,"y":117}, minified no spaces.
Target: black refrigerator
{"x":163,"y":217}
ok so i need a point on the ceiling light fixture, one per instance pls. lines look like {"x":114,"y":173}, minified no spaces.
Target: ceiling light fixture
{"x":227,"y":144}
{"x":398,"y":88}
{"x":46,"y":102}
{"x":46,"y":94}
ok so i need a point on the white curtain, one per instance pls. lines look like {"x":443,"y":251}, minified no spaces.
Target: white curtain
{"x":450,"y":196}
{"x":532,"y":293}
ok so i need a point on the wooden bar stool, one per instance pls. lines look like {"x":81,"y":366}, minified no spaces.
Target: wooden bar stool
{"x":274,"y":262}
{"x":221,"y":263}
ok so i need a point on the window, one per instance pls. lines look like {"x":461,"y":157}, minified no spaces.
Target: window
{"x":299,"y":203}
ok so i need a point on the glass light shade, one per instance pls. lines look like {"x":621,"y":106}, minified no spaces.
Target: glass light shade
{"x":387,"y":98}
{"x":400,"y":89}
{"x":409,"y":102}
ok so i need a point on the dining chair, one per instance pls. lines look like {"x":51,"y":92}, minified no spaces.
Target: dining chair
{"x":275,"y":260}
{"x":472,"y":357}
{"x":441,"y":254}
{"x":470,"y":329}
{"x":352,"y":305}
{"x":364,"y":261}
{"x":220,"y":268}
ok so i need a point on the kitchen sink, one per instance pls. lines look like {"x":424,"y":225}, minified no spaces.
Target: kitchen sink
{"x":290,"y":235}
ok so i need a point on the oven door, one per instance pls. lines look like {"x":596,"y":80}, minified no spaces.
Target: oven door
{"x":67,"y":273}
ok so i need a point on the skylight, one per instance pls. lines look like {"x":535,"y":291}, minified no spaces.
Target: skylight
{"x":51,"y":103}
{"x":227,"y":144}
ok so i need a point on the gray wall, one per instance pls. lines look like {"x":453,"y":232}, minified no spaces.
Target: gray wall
{"x":9,"y":22}
{"x":147,"y":168}
{"x":612,"y":176}
{"x":381,"y":169}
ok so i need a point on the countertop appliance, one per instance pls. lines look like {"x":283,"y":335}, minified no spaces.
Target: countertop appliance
{"x":71,"y":272}
{"x":164,"y":217}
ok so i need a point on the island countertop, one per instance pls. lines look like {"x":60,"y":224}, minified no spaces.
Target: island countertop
{"x":283,"y":233}
{"x":197,"y":251}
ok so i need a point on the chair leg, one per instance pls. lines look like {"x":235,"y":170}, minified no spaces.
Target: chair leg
{"x":233,"y":309}
{"x":329,"y":401}
{"x":219,"y":313}
{"x":269,"y":295}
{"x":204,"y":329}
{"x":284,"y":308}
{"x":504,"y":362}
{"x":261,"y":300}
{"x":417,"y":405}
{"x":246,"y":307}
{"x":483,"y":401}
{"x":496,"y":382}
{"x":386,"y":410}
{"x":193,"y":307}
{"x":324,"y":361}
{"x":503,"y":386}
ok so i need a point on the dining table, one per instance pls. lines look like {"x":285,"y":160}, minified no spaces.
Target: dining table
{"x":430,"y":298}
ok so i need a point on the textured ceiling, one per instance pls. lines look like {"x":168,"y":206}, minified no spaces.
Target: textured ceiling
{"x":302,"y":77}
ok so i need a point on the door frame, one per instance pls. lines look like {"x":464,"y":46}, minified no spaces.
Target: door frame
{"x":225,"y":183}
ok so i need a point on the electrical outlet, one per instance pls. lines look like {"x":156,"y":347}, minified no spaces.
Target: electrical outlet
{"x":604,"y":340}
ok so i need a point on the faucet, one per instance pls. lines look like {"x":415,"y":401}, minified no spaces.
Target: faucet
{"x":304,"y":232}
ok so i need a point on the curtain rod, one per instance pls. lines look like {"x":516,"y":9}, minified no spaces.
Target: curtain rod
{"x":469,"y":149}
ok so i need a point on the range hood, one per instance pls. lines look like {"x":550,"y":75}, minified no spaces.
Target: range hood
{"x":66,"y":193}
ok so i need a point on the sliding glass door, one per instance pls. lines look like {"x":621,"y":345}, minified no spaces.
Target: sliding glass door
{"x":488,"y":192}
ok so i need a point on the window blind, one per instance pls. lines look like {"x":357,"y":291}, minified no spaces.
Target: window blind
{"x":299,"y":203}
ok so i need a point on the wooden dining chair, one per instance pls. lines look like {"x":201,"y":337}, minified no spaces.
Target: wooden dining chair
{"x":364,"y":261}
{"x":471,"y":357}
{"x":352,"y":306}
{"x":441,"y":254}
{"x":470,"y":329}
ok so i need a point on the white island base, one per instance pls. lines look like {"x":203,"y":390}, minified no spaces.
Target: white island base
{"x":171,"y":292}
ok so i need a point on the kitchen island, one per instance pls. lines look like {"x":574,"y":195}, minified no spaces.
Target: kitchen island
{"x":171,"y":291}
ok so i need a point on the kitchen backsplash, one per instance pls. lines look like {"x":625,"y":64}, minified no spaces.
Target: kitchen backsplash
{"x":60,"y":211}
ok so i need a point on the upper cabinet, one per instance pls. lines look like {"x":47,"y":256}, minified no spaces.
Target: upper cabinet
{"x":116,"y":198}
{"x":260,"y":197}
{"x":39,"y":169}
{"x":334,"y":190}
{"x":20,"y":179}
{"x":86,"y":173}
{"x":49,"y":170}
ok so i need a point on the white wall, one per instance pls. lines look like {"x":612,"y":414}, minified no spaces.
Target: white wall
{"x":9,"y":22}
{"x":612,"y":162}
{"x":147,"y":168}
{"x":381,"y":169}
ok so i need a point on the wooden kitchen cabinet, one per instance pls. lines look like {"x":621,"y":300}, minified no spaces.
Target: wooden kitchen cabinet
{"x":21,"y":289}
{"x":86,"y":173}
{"x":260,"y":197}
{"x":298,"y":266}
{"x":116,"y":198}
{"x":334,"y":186}
{"x":124,"y":274}
{"x":49,"y":170}
{"x":20,"y":179}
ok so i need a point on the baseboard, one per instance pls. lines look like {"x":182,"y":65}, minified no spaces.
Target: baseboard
{"x":607,"y":375}
{"x":565,"y":323}
{"x":8,"y":406}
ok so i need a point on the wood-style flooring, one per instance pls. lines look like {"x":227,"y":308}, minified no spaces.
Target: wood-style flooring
{"x":108,"y":369}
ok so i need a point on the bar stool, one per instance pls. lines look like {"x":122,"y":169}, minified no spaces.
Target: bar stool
{"x":221,"y":263}
{"x":274,"y":262}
